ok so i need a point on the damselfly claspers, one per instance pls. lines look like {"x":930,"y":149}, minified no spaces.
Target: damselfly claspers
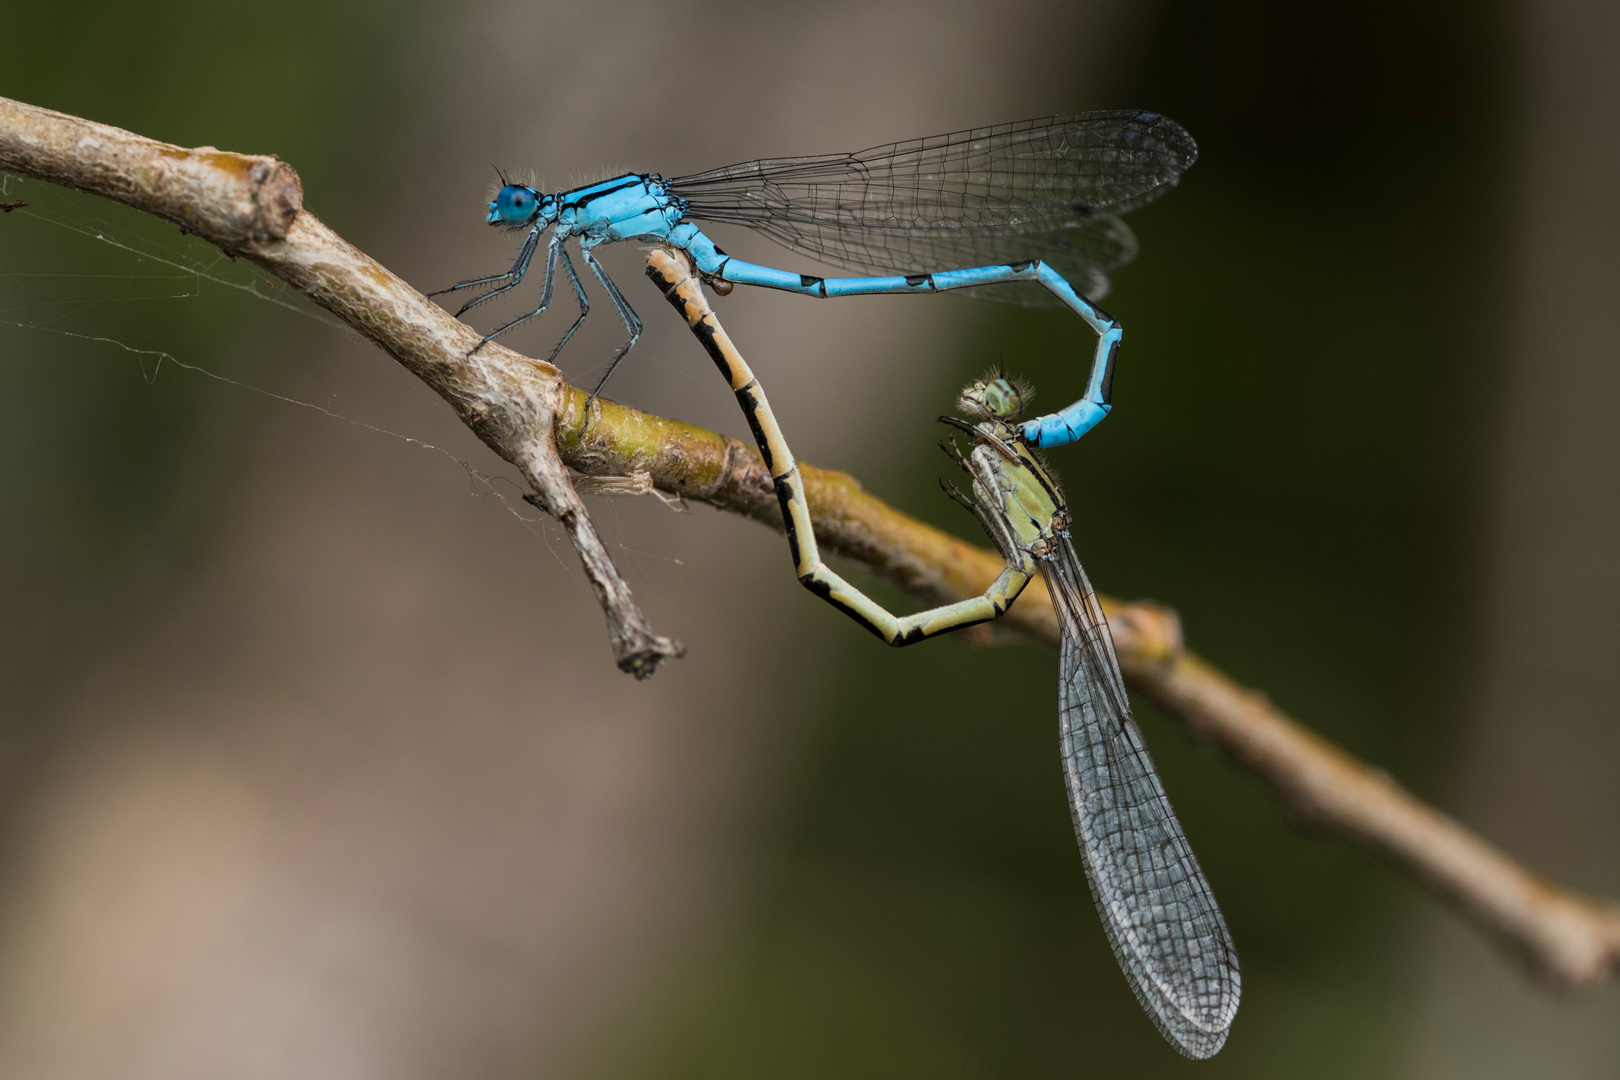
{"x":1024,"y":207}
{"x":1156,"y":905}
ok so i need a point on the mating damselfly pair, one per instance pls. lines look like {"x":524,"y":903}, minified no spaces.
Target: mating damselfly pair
{"x":1006,"y":212}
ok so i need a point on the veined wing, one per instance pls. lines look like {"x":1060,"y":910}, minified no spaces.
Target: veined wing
{"x":1155,"y":903}
{"x":986,"y":187}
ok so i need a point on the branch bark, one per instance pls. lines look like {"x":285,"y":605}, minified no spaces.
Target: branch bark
{"x":251,"y":206}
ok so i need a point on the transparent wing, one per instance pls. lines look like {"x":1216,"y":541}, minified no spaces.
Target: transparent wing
{"x":1155,"y":904}
{"x":971,"y":198}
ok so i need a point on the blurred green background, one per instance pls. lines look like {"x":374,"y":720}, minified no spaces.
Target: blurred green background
{"x":311,"y":765}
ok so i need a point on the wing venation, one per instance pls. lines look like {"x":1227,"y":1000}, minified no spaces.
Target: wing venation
{"x":1155,"y":903}
{"x":1031,"y":189}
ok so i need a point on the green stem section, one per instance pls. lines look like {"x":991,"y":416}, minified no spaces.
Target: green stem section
{"x":932,"y":565}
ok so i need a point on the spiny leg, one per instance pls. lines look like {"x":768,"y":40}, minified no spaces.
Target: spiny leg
{"x":579,"y":291}
{"x":956,"y":494}
{"x":519,"y":267}
{"x":685,"y":294}
{"x":632,"y":322}
{"x":968,"y":503}
{"x":552,"y":251}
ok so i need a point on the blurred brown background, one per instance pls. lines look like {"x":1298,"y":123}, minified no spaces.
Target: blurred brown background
{"x":313,"y":760}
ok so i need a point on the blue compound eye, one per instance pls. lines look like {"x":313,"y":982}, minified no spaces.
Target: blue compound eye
{"x":515,"y":204}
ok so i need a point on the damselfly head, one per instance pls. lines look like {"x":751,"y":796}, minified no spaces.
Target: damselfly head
{"x":995,"y":397}
{"x":516,"y":205}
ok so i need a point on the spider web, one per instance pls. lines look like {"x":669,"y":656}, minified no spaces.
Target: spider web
{"x":122,"y":285}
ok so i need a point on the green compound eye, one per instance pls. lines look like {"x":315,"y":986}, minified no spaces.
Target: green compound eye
{"x":1001,"y":399}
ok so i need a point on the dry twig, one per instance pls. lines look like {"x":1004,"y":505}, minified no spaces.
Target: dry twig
{"x":252,"y":207}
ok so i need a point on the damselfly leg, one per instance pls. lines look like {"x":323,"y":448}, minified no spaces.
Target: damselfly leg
{"x":579,"y":292}
{"x":554,"y":251}
{"x":512,"y":277}
{"x":632,"y":321}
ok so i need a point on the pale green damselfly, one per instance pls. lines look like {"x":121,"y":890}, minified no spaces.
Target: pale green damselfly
{"x":1155,"y":903}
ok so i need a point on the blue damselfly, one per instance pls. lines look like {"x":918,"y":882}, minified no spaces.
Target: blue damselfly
{"x":1026,"y":212}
